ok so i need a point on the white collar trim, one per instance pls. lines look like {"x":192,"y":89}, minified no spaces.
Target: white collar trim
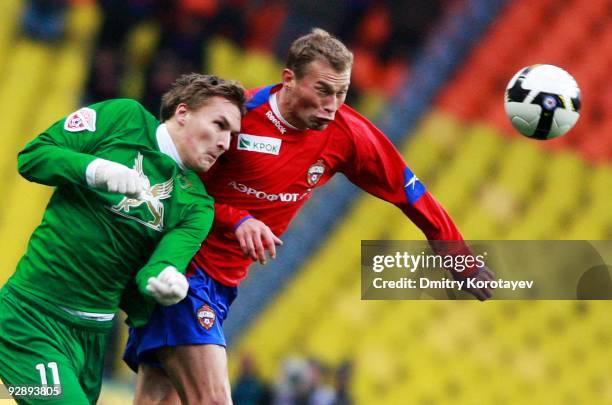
{"x":167,"y":146}
{"x":274,"y":105}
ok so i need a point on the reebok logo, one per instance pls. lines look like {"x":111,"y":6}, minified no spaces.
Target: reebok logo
{"x":276,"y":122}
{"x":261,"y":144}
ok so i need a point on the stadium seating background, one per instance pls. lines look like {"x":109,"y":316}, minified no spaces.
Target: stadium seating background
{"x":495,"y":184}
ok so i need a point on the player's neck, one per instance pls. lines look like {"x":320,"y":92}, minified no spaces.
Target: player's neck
{"x":172,"y":146}
{"x":285,"y":110}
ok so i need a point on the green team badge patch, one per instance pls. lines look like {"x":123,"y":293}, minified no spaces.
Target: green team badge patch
{"x":152,"y":197}
{"x":81,"y":120}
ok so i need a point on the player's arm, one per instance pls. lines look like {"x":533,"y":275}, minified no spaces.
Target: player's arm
{"x":378,"y":168}
{"x":228,"y":217}
{"x":163,"y":275}
{"x":57,"y":156}
{"x":65,"y":152}
{"x":254,"y":236}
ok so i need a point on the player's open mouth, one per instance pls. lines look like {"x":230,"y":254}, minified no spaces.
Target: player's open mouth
{"x":323,"y":121}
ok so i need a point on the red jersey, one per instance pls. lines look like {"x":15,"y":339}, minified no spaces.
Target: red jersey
{"x":271,"y":169}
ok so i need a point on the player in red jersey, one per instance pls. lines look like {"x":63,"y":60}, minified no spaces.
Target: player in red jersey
{"x":295,"y":136}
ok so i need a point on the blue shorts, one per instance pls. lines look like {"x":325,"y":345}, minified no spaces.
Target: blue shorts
{"x":195,"y":320}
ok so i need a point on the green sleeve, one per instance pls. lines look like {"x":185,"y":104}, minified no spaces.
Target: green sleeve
{"x":62,"y":153}
{"x":179,"y":245}
{"x":55,"y":158}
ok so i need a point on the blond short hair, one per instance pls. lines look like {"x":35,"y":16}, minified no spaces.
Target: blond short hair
{"x":195,"y":89}
{"x":318,"y":44}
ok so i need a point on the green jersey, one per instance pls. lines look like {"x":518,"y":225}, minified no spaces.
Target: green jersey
{"x":95,"y":249}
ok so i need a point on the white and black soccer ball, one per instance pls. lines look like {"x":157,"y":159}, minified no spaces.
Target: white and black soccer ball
{"x":542,"y":101}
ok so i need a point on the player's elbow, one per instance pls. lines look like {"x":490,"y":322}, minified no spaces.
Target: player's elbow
{"x":25,"y":165}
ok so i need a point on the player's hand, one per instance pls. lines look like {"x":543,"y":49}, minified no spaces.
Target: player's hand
{"x":169,"y":287}
{"x":255,"y":238}
{"x":481,"y":293}
{"x":115,"y":178}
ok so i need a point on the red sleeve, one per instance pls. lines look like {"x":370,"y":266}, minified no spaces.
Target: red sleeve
{"x":229,"y":217}
{"x":378,"y":168}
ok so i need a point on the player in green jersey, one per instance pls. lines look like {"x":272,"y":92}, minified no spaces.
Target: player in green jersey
{"x":127,"y":215}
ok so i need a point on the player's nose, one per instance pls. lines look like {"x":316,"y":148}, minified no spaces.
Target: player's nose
{"x":224,"y":141}
{"x":331,"y":105}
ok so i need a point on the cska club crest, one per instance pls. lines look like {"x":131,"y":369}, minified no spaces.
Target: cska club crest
{"x":206,"y":317}
{"x":315,"y":172}
{"x":83,"y":119}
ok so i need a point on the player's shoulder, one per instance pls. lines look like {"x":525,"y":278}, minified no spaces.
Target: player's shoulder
{"x":122,"y":108}
{"x":107,"y":115}
{"x":119,"y":104}
{"x":192,"y":184}
{"x":249,"y":93}
{"x":352,"y":123}
{"x":259,"y":96}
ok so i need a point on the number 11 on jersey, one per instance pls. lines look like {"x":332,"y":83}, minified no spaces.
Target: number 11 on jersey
{"x":43,"y":373}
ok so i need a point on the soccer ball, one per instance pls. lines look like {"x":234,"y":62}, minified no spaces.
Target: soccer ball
{"x":542,"y":101}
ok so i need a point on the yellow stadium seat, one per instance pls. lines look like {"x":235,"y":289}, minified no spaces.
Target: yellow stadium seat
{"x":20,"y":96}
{"x":140,"y":48}
{"x":36,"y":93}
{"x":82,"y":25}
{"x":258,"y":69}
{"x":9,"y":29}
{"x":223,"y":58}
{"x":468,"y":169}
{"x":518,"y":169}
{"x":434,"y":139}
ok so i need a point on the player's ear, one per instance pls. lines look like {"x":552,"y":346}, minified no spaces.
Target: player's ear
{"x":180,"y":113}
{"x":288,"y":78}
